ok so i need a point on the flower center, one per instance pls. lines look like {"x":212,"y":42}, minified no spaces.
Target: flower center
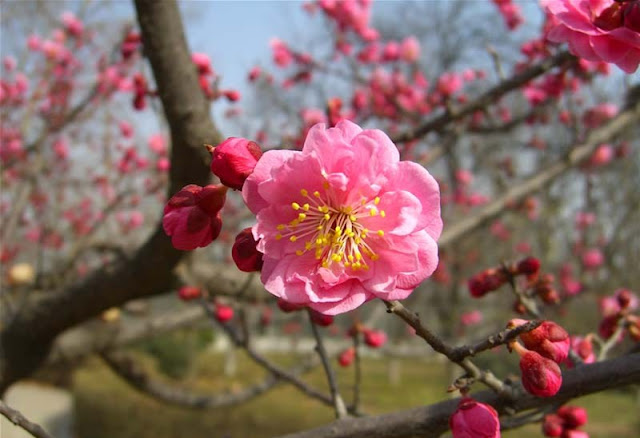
{"x":333,"y":232}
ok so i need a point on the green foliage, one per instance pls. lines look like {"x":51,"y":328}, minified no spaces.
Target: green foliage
{"x":175,"y":351}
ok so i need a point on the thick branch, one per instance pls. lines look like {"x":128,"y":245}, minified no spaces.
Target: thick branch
{"x":432,"y":421}
{"x":27,"y":340}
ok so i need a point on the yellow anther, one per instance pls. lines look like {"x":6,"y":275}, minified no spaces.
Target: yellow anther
{"x":376,"y":200}
{"x":293,"y":238}
{"x":305,"y":207}
{"x":327,"y":216}
{"x":319,"y":241}
{"x":316,"y":194}
{"x":352,"y":218}
{"x":383,"y":213}
{"x":299,"y":252}
{"x":304,"y":193}
{"x":325,"y":263}
{"x":294,"y":222}
{"x":278,"y":236}
{"x":347,"y":264}
{"x":358,"y":256}
{"x":295,"y":206}
{"x":280,"y":227}
{"x":324,"y":209}
{"x":336,"y":258}
{"x":348,"y":209}
{"x":338,"y":231}
{"x":363,"y":201}
{"x":373,"y":212}
{"x":380,"y":233}
{"x":350,"y":234}
{"x":374,"y":257}
{"x":308,"y":245}
{"x":325,"y":185}
{"x":365,"y":267}
{"x":319,"y":227}
{"x":350,"y":257}
{"x":357,"y":240}
{"x":301,"y":217}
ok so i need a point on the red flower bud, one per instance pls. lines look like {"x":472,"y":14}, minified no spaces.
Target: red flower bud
{"x":528,"y":266}
{"x":548,"y":339}
{"x":192,"y":216}
{"x":552,"y":425}
{"x":346,"y":357}
{"x":320,"y":319}
{"x":573,"y":416}
{"x":608,"y":326}
{"x":223,"y":313}
{"x":474,"y":419}
{"x":187,"y":293}
{"x":244,"y":252}
{"x":233,"y":161}
{"x":540,"y":376}
{"x":485,"y":282}
{"x":375,"y":338}
{"x":287,"y":307}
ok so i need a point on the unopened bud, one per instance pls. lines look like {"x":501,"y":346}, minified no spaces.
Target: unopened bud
{"x":233,"y":161}
{"x":244,"y":253}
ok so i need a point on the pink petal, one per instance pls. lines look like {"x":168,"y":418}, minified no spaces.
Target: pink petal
{"x":402,"y":210}
{"x":269,"y":160}
{"x":415,"y":179}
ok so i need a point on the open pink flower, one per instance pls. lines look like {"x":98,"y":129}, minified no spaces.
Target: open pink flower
{"x":593,"y":33}
{"x":343,"y":221}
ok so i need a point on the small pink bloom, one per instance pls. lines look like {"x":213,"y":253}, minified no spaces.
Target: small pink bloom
{"x":391,"y":51}
{"x":592,"y":258}
{"x":202,"y":62}
{"x":223,"y":313}
{"x":244,"y":253}
{"x":320,"y":319}
{"x":471,"y":318}
{"x":602,"y":155}
{"x":473,"y":419}
{"x":410,"y":49}
{"x":449,"y":83}
{"x":343,"y":221}
{"x":599,"y":114}
{"x":626,"y":299}
{"x":136,"y":219}
{"x":282,"y":55}
{"x":126,"y":130}
{"x":552,"y":426}
{"x":464,"y":177}
{"x":528,"y":266}
{"x":163,"y":164}
{"x":580,"y":24}
{"x":192,"y":216}
{"x":72,"y":24}
{"x":34,"y":42}
{"x":375,"y":338}
{"x":573,"y":416}
{"x":188,"y":293}
{"x":254,"y":73}
{"x":158,"y":144}
{"x":9,"y":63}
{"x":233,"y":161}
{"x":346,"y":357}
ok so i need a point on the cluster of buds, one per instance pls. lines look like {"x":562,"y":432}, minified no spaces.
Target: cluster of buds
{"x":372,"y":338}
{"x":474,"y":419}
{"x":493,"y":278}
{"x":544,"y":348}
{"x":565,"y":423}
{"x":617,"y":312}
{"x":189,"y":293}
{"x":130,"y":45}
{"x":140,"y":92}
{"x":316,"y":317}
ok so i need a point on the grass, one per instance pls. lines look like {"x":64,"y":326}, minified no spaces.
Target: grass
{"x":107,"y":408}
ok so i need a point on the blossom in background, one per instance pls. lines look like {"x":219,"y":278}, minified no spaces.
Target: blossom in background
{"x":343,"y":221}
{"x":473,"y":419}
{"x":192,"y":216}
{"x":597,"y":30}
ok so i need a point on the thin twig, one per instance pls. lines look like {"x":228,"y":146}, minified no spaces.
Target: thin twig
{"x":20,"y":420}
{"x":338,"y":403}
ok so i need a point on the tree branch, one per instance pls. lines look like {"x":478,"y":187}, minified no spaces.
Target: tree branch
{"x":20,"y":420}
{"x":27,"y":340}
{"x":433,"y":420}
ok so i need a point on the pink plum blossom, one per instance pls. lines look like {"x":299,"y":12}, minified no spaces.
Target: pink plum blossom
{"x":158,"y":144}
{"x":580,"y":24}
{"x":592,"y":258}
{"x":410,"y":49}
{"x":343,"y":221}
{"x":471,"y":318}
